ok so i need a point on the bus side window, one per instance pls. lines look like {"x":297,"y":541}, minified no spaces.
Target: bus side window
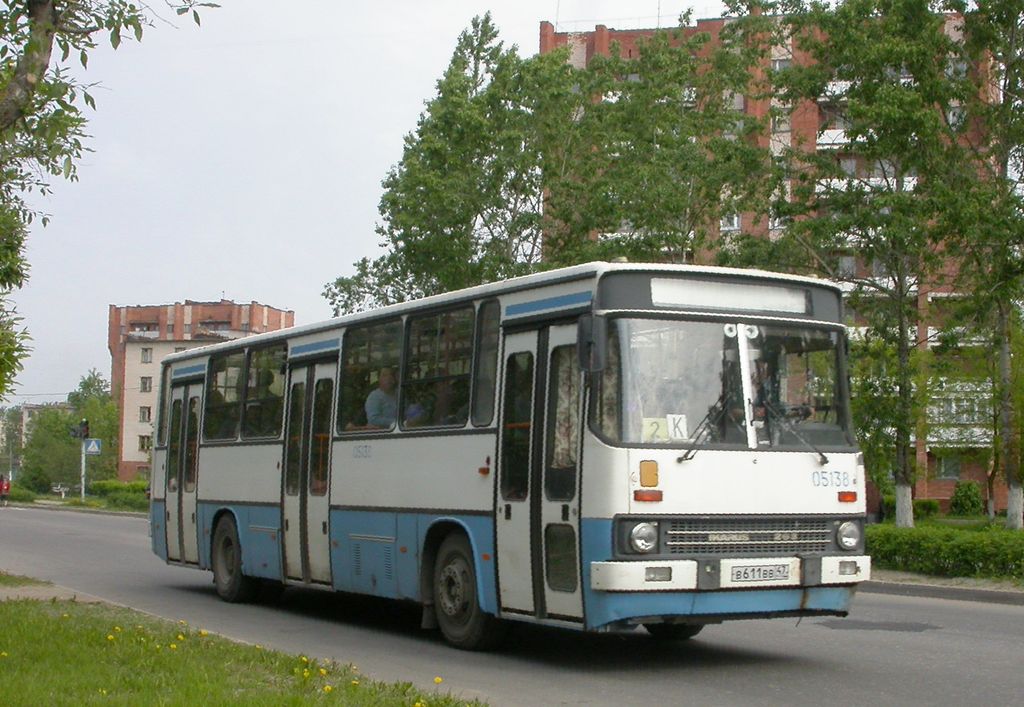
{"x":485,"y":370}
{"x":370,"y":353}
{"x":515,"y":444}
{"x":224,"y":396}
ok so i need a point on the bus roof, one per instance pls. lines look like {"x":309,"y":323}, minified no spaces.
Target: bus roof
{"x":592,"y":270}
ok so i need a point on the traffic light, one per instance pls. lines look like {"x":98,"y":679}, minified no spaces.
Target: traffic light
{"x":83,"y":428}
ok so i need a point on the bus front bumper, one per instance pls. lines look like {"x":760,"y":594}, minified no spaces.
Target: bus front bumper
{"x":728,"y":573}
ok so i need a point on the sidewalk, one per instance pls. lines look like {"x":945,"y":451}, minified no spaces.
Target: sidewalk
{"x":995,"y":591}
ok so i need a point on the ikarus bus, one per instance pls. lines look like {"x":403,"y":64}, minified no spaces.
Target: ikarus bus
{"x":603,"y":447}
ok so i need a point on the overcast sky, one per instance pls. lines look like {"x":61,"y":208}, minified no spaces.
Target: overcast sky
{"x":244,"y":159}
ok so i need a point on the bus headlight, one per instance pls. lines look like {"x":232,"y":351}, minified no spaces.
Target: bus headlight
{"x":848,"y":535}
{"x":644,"y":537}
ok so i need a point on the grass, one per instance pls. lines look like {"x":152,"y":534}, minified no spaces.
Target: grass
{"x":15,"y":580}
{"x":64,"y":652}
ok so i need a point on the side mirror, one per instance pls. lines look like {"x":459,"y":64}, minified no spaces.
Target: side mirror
{"x":592,"y":338}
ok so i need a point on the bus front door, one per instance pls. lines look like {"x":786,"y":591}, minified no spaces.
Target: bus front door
{"x":538,"y":472}
{"x":182,"y":467}
{"x":306,"y":473}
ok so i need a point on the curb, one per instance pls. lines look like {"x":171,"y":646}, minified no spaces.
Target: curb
{"x":935,"y":591}
{"x":77,"y":509}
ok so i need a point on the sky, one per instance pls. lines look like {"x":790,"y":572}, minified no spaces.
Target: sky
{"x":243,"y":159}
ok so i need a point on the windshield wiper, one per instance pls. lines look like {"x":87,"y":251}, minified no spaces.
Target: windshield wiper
{"x":781,"y":417}
{"x":704,"y":428}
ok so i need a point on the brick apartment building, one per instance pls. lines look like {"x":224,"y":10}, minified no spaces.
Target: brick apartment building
{"x":139,"y":336}
{"x":959,"y":426}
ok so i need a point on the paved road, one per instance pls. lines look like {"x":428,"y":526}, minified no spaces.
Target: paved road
{"x":891,"y":650}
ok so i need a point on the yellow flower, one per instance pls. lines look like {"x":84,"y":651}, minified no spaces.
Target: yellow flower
{"x":102,"y":691}
{"x":117,"y":629}
{"x":259,"y":647}
{"x":183,"y":622}
{"x":180,"y":637}
{"x":305,"y":673}
{"x":64,"y":616}
{"x":110,"y":637}
{"x":173,"y":647}
{"x":304,"y":659}
{"x":438,"y":680}
{"x":327,"y":688}
{"x":355,"y":682}
{"x":203,"y":632}
{"x":322,"y":671}
{"x":418,"y":704}
{"x":3,"y":654}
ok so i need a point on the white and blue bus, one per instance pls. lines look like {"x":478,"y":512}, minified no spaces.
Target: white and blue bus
{"x":604,"y":446}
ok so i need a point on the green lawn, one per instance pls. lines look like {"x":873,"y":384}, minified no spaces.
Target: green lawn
{"x":64,"y":652}
{"x":14,"y":580}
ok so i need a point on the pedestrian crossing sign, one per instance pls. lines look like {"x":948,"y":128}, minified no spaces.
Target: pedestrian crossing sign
{"x":93,"y":445}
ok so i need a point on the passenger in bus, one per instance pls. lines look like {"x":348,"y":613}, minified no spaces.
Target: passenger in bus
{"x":381,"y":404}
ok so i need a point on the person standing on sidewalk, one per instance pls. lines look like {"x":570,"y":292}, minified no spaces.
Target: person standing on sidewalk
{"x":5,"y":490}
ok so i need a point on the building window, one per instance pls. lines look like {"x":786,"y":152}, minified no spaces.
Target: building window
{"x":848,"y":165}
{"x":179,"y":349}
{"x":780,"y":123}
{"x":145,"y":443}
{"x":781,"y":64}
{"x":947,"y":468}
{"x":188,"y":329}
{"x":147,"y":355}
{"x":145,"y":413}
{"x":847,"y":266}
{"x":729,"y":222}
{"x":146,"y":384}
{"x":170,"y":330}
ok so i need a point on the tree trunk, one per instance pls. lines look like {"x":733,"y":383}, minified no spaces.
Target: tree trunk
{"x":16,"y":98}
{"x":904,"y":468}
{"x":904,"y":506}
{"x":1007,"y":426}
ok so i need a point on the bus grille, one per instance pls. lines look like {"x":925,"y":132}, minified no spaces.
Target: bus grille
{"x":748,"y":536}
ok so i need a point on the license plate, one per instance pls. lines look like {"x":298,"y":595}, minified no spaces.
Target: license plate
{"x":760,"y":573}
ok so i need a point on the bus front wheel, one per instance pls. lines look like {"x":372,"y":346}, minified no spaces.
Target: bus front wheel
{"x":232,"y":585}
{"x":462,"y":621}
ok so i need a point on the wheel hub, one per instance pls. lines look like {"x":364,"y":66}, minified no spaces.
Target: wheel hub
{"x":452,"y":591}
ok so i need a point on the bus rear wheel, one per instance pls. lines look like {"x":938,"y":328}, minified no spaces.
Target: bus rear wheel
{"x":232,"y":585}
{"x":673,"y":632}
{"x":456,"y":604}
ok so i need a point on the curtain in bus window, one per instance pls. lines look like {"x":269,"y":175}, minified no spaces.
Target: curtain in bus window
{"x":224,"y":396}
{"x":517,"y":414}
{"x":174,"y":447}
{"x":293,"y":455}
{"x":608,"y":397}
{"x":563,"y":438}
{"x":320,"y":452}
{"x":165,"y":391}
{"x":192,"y":444}
{"x":264,"y":394}
{"x":485,"y":374}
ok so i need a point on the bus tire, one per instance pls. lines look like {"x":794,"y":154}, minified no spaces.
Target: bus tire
{"x":232,"y":585}
{"x":456,"y":605}
{"x":673,"y":632}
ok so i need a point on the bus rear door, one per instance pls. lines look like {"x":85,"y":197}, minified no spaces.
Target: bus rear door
{"x":306,"y":472}
{"x":182,"y":468}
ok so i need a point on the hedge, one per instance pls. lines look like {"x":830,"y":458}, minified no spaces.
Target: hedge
{"x":109,"y":487}
{"x":948,"y":552}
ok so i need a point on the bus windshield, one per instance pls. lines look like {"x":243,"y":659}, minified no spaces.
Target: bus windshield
{"x":682,"y":383}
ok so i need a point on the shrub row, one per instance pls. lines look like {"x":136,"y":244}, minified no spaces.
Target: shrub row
{"x":20,"y":494}
{"x":947,"y":552}
{"x":108,"y":487}
{"x":923,"y":507}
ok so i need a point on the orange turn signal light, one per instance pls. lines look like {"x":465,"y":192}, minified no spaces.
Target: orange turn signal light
{"x":847,"y":496}
{"x":648,"y":495}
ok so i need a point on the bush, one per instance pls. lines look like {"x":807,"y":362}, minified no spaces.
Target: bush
{"x":127,"y":501}
{"x":948,"y":552}
{"x":966,"y":499}
{"x":107,"y":487}
{"x":925,"y":508}
{"x":20,"y":494}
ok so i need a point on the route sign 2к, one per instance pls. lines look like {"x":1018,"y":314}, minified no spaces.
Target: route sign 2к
{"x":93,"y":445}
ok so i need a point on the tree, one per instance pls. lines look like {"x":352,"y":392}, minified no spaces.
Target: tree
{"x":42,"y":126}
{"x":881,"y":71}
{"x":671,"y":149}
{"x":986,"y":213}
{"x":463,"y":206}
{"x":52,"y":455}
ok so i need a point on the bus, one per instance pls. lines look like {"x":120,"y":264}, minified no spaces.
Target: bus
{"x":605,"y":447}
